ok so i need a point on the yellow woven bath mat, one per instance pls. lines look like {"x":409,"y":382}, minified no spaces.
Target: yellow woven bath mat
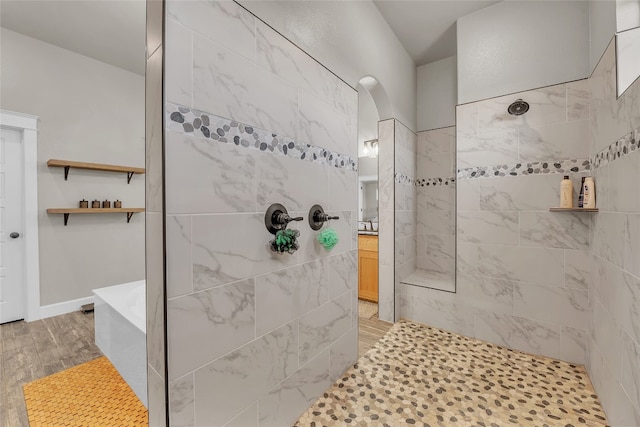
{"x":92,"y":394}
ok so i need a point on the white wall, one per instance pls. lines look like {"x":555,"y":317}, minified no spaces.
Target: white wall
{"x":521,"y":45}
{"x":368,"y":166}
{"x":353,"y":40}
{"x":367,"y":119}
{"x":437,"y":94}
{"x":602,"y":21}
{"x":89,"y":111}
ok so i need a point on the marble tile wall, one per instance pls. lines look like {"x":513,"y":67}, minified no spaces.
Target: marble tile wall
{"x":154,"y":236}
{"x":406,"y":220}
{"x":397,"y":236}
{"x":386,"y":235}
{"x":522,"y":272}
{"x":436,"y":158}
{"x":253,"y":337}
{"x":613,"y":336}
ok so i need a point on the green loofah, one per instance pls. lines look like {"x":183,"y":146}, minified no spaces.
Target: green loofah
{"x":328,"y":238}
{"x":285,"y":241}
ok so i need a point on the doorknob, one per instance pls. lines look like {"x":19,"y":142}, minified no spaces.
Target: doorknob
{"x":14,"y":235}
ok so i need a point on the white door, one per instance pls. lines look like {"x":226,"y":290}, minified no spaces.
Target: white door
{"x":11,"y":225}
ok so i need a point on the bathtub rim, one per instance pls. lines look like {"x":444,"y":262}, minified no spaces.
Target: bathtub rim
{"x":115,"y":297}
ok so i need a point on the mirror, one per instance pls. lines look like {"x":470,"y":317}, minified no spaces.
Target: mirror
{"x":627,"y":59}
{"x":369,"y":198}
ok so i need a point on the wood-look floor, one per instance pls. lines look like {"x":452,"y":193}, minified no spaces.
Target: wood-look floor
{"x":369,"y":332}
{"x":33,"y":350}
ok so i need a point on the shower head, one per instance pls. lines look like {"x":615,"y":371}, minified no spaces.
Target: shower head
{"x":518,"y":108}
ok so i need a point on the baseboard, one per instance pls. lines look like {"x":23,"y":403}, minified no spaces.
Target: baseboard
{"x":63,"y":307}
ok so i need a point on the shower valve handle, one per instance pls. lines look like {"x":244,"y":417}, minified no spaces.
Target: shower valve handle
{"x":284,"y":218}
{"x":276,"y":218}
{"x":323,"y":217}
{"x":317,"y":217}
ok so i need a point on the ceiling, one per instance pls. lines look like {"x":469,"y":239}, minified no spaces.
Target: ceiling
{"x":427,"y":28}
{"x":111,"y":31}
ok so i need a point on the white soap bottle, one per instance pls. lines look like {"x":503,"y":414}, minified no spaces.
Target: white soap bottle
{"x":589,"y":190}
{"x":566,"y":193}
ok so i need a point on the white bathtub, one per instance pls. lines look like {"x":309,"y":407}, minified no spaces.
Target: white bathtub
{"x":120,"y":324}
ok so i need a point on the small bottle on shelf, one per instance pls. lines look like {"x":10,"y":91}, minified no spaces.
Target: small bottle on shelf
{"x":589,"y":189}
{"x":566,"y":193}
{"x":581,"y":197}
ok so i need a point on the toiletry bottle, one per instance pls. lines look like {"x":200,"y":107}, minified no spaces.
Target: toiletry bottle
{"x":589,"y":200}
{"x":566,"y":193}
{"x":581,"y":197}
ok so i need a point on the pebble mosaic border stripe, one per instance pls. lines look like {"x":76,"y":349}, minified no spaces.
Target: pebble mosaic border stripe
{"x":184,"y":120}
{"x":535,"y":168}
{"x":422,"y":182}
{"x":426,"y":182}
{"x":625,"y":145}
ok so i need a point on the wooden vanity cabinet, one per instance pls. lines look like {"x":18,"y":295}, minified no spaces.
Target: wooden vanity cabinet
{"x":368,"y":267}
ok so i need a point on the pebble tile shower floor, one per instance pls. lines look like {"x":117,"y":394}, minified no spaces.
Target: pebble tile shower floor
{"x":424,"y":376}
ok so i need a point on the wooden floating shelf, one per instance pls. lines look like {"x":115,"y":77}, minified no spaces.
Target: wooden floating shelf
{"x":67,"y":211}
{"x":573,"y":209}
{"x":67,"y":164}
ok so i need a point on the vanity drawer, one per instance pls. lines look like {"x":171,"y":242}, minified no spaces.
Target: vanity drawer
{"x":368,"y":243}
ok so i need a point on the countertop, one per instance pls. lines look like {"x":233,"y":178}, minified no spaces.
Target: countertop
{"x":367,"y":233}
